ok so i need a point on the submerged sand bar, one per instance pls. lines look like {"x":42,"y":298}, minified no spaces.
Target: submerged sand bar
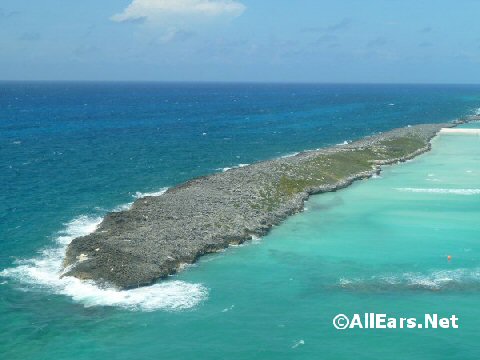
{"x":158,"y":235}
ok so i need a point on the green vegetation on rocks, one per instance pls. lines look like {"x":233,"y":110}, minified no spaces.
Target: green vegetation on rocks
{"x":159,"y":234}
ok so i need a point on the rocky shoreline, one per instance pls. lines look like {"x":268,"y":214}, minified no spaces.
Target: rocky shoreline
{"x":158,"y":235}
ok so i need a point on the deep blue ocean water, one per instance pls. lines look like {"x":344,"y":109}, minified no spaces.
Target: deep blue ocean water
{"x":69,"y":152}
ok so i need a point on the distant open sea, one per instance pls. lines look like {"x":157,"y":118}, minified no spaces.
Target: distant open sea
{"x":70,"y":152}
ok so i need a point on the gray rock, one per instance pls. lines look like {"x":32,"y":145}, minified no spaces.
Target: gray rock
{"x":159,"y":234}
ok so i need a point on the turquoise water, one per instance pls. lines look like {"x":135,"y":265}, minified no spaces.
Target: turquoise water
{"x":378,"y":246}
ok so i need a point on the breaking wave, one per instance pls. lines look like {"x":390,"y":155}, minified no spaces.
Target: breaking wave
{"x":458,"y":279}
{"x":43,"y":272}
{"x":139,"y":195}
{"x":233,"y":167}
{"x":289,"y":155}
{"x":442,"y":191}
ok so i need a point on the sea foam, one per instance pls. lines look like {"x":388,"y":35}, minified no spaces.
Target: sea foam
{"x":233,"y":167}
{"x":436,"y":280}
{"x":441,"y":191}
{"x":43,"y":272}
{"x":289,"y":155}
{"x":139,"y":195}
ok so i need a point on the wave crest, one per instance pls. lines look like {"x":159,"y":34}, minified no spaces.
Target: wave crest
{"x":139,"y":195}
{"x":43,"y":272}
{"x":441,"y":191}
{"x":225,"y":169}
{"x":458,"y":279}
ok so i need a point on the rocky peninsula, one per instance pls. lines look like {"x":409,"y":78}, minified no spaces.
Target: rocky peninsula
{"x":158,"y":235}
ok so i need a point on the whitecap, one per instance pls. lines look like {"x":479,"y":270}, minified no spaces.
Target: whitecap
{"x":441,"y":191}
{"x":290,"y":155}
{"x":225,"y":169}
{"x":123,"y":207}
{"x":43,"y":272}
{"x":436,"y":280}
{"x":298,"y":343}
{"x":139,"y":195}
{"x":228,"y":309}
{"x":344,"y":282}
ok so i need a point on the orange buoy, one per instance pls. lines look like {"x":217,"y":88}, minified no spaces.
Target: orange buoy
{"x":449,"y":257}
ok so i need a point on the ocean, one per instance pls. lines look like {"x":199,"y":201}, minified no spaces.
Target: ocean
{"x":71,"y":152}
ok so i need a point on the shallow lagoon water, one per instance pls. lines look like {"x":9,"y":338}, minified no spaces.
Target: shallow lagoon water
{"x":378,"y":246}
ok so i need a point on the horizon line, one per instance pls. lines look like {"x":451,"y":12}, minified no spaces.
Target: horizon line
{"x":226,"y":82}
